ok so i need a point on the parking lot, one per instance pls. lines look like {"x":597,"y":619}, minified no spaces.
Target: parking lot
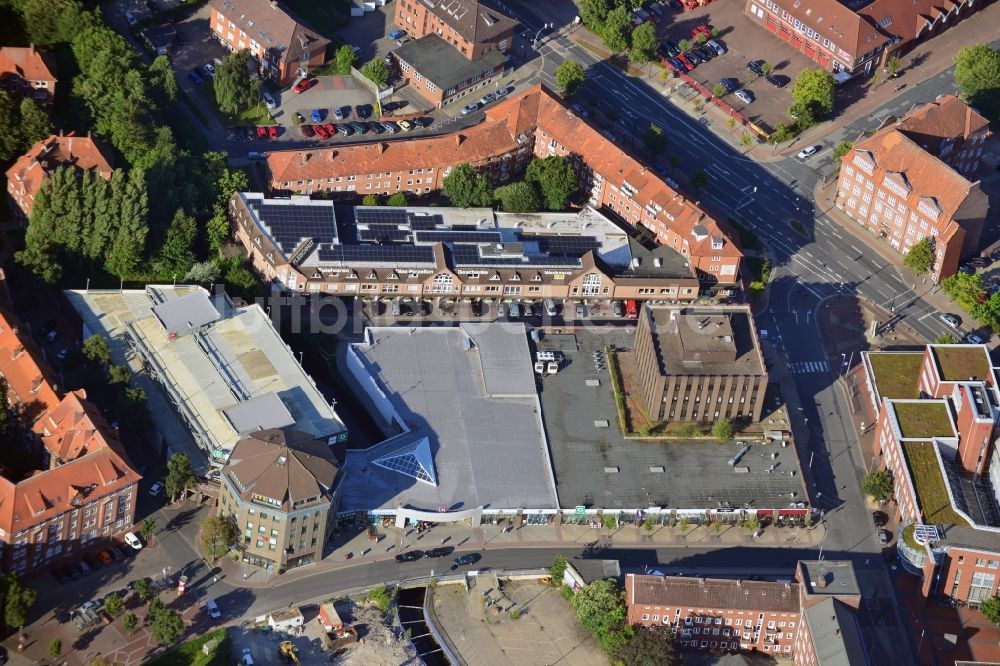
{"x":744,"y":41}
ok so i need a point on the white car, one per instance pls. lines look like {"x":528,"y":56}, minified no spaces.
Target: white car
{"x":503,"y":92}
{"x":745,"y":95}
{"x":950,"y":320}
{"x":469,"y":108}
{"x":156,"y":489}
{"x":133,"y":541}
{"x":247,"y":657}
{"x":92,"y":605}
{"x":806,"y":153}
{"x":269,"y":100}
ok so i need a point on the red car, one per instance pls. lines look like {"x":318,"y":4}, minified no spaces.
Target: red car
{"x":687,"y":63}
{"x":701,"y":30}
{"x":304,"y":85}
{"x":330,"y":128}
{"x":321,"y":132}
{"x":307,"y":130}
{"x":261,"y":132}
{"x":272,"y":131}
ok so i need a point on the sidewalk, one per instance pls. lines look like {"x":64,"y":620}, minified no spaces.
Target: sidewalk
{"x":355,"y":549}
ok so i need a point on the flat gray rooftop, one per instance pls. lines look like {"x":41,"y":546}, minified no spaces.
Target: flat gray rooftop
{"x":472,"y":414}
{"x":705,"y":341}
{"x":696,"y":475}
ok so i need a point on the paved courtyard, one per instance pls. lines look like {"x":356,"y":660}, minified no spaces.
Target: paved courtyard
{"x":545,"y":632}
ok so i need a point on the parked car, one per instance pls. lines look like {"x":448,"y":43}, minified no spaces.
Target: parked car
{"x":503,"y":92}
{"x":345,"y":129}
{"x":745,"y":96}
{"x":93,"y":605}
{"x":247,"y":657}
{"x":330,"y":128}
{"x":973,"y":339}
{"x":359,"y":128}
{"x":316,"y":116}
{"x":883,"y":536}
{"x":304,"y":85}
{"x":754,"y":66}
{"x":269,"y":100}
{"x":62,"y":353}
{"x":443,"y":551}
{"x":363,"y":110}
{"x":470,"y":108}
{"x":730,"y":84}
{"x":410,"y":556}
{"x":701,"y":30}
{"x":59,"y":573}
{"x":376,"y":127}
{"x":92,"y":561}
{"x":688,"y":65}
{"x":581,"y":311}
{"x":390,"y":127}
{"x":879,"y":518}
{"x":396,"y":34}
{"x":950,"y":320}
{"x":616,"y":307}
{"x":806,"y":153}
{"x":705,"y":52}
{"x":156,"y":488}
{"x":777,"y":80}
{"x":213,"y":609}
{"x":470,"y":558}
{"x":254,"y":155}
{"x":307,"y":130}
{"x":405,"y":125}
{"x":272,"y":131}
{"x":693,"y":57}
{"x":979,"y":262}
{"x":342,"y":112}
{"x":321,"y":132}
{"x":486,"y":99}
{"x":716,"y":46}
{"x":423,"y":121}
{"x":196,"y":76}
{"x":210,"y":69}
{"x":104,"y":556}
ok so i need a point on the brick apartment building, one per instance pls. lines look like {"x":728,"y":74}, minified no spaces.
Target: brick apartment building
{"x":25,"y":72}
{"x":915,"y":177}
{"x":458,"y":46}
{"x":936,"y":415}
{"x":33,"y":168}
{"x":314,"y":246}
{"x":858,"y":36}
{"x":85,"y":491}
{"x":284,"y":46}
{"x":282,"y":486}
{"x":700,"y":364}
{"x":532,"y":124}
{"x":810,"y":619}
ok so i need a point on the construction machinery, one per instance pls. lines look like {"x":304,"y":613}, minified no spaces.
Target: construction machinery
{"x":288,"y":650}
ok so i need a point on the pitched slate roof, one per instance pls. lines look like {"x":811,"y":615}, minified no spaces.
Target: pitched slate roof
{"x":713,"y":593}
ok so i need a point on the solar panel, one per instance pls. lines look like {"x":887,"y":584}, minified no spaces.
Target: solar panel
{"x":383,"y":232}
{"x":459,"y":236}
{"x":380,"y":215}
{"x":378,"y":254}
{"x":566,"y":245}
{"x":289,"y":225}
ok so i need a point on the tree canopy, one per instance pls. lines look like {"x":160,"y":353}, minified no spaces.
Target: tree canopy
{"x":555,"y":179}
{"x":920,"y":257}
{"x":167,"y":625}
{"x":235,"y":89}
{"x":977,"y":75}
{"x":177,"y":254}
{"x":467,"y":188}
{"x":18,"y":599}
{"x":570,"y":77}
{"x":722,"y":430}
{"x":35,"y":123}
{"x":344,"y":59}
{"x":815,"y":90}
{"x":218,"y":535}
{"x":10,"y":119}
{"x":991,"y":609}
{"x":644,"y":42}
{"x":600,"y":608}
{"x":397,"y":199}
{"x":180,"y":476}
{"x":593,"y":13}
{"x":617,"y":29}
{"x":376,"y":71}
{"x":520,"y":197}
{"x":878,"y":484}
{"x":650,"y":646}
{"x":96,"y":350}
{"x":655,"y":139}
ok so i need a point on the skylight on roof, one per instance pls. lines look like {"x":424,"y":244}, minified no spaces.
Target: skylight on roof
{"x":413,"y":460}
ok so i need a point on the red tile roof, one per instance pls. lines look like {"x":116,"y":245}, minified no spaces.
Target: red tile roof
{"x":945,"y":118}
{"x":31,"y":169}
{"x":832,"y":20}
{"x":26,"y":63}
{"x":27,"y":382}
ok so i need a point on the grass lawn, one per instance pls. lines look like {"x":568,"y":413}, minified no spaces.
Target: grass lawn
{"x":923,"y":420}
{"x":896,"y":373}
{"x":255,"y":116}
{"x":929,"y":484}
{"x":961,"y":363}
{"x":190,"y":654}
{"x":326,"y":17}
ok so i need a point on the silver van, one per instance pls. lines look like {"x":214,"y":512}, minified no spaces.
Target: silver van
{"x":397,"y":308}
{"x":550,"y":307}
{"x":515,"y":310}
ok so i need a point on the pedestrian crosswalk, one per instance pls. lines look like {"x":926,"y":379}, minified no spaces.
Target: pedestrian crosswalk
{"x":804,"y":367}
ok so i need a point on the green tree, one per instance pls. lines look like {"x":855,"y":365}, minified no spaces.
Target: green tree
{"x":203,"y":272}
{"x":235,"y":89}
{"x":180,"y":476}
{"x":155,"y":607}
{"x":920,"y":257}
{"x":892,"y":66}
{"x":815,"y":89}
{"x":345,"y":59}
{"x":128,"y":245}
{"x":130,"y":408}
{"x":719,"y":90}
{"x":600,"y":608}
{"x":519,"y":197}
{"x":946,"y":339}
{"x":655,"y":139}
{"x":555,"y":178}
{"x":143,"y":589}
{"x":557,"y":569}
{"x":988,"y":312}
{"x":376,"y":71}
{"x":113,"y":605}
{"x":698,"y":180}
{"x":397,"y":199}
{"x":878,"y":485}
{"x":370,"y":200}
{"x":650,"y":646}
{"x":964,"y":288}
{"x":161,"y":77}
{"x":643,"y":43}
{"x":35,"y":123}
{"x":617,"y":29}
{"x":167,"y":626}
{"x":990,"y":608}
{"x":722,"y":430}
{"x":129,"y":623}
{"x":218,"y":535}
{"x":839,"y":151}
{"x":217,"y":230}
{"x":11,"y":140}
{"x":594,"y":13}
{"x":119,"y":374}
{"x":238,"y":278}
{"x":53,"y":21}
{"x":684,"y":44}
{"x":977,"y":75}
{"x":177,"y":253}
{"x":55,"y":648}
{"x":96,"y":350}
{"x":467,"y":188}
{"x":781,"y":134}
{"x":570,"y":77}
{"x":767,"y":68}
{"x":18,"y":598}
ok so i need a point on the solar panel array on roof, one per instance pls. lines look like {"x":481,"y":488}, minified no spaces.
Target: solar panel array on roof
{"x":383,"y":233}
{"x":468,"y":255}
{"x":575,"y":246}
{"x":425,"y":222}
{"x":380,"y":215}
{"x":378,"y":253}
{"x":459,"y":236}
{"x":288,"y":225}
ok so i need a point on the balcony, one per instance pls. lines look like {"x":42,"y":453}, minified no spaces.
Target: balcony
{"x":912,"y":554}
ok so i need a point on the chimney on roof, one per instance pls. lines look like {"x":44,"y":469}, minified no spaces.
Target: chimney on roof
{"x":35,"y":383}
{"x":18,"y":350}
{"x":274,"y":4}
{"x":820,"y":582}
{"x":459,"y":138}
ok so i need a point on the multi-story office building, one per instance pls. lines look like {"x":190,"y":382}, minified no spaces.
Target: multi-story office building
{"x":284,"y":46}
{"x":700,"y":364}
{"x":936,"y":413}
{"x":24,"y":72}
{"x":86,"y":492}
{"x":855,"y":36}
{"x":30,"y":170}
{"x":459,"y":46}
{"x":915,"y":178}
{"x":810,"y":619}
{"x":282,"y":487}
{"x":314,"y":246}
{"x":532,"y":124}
